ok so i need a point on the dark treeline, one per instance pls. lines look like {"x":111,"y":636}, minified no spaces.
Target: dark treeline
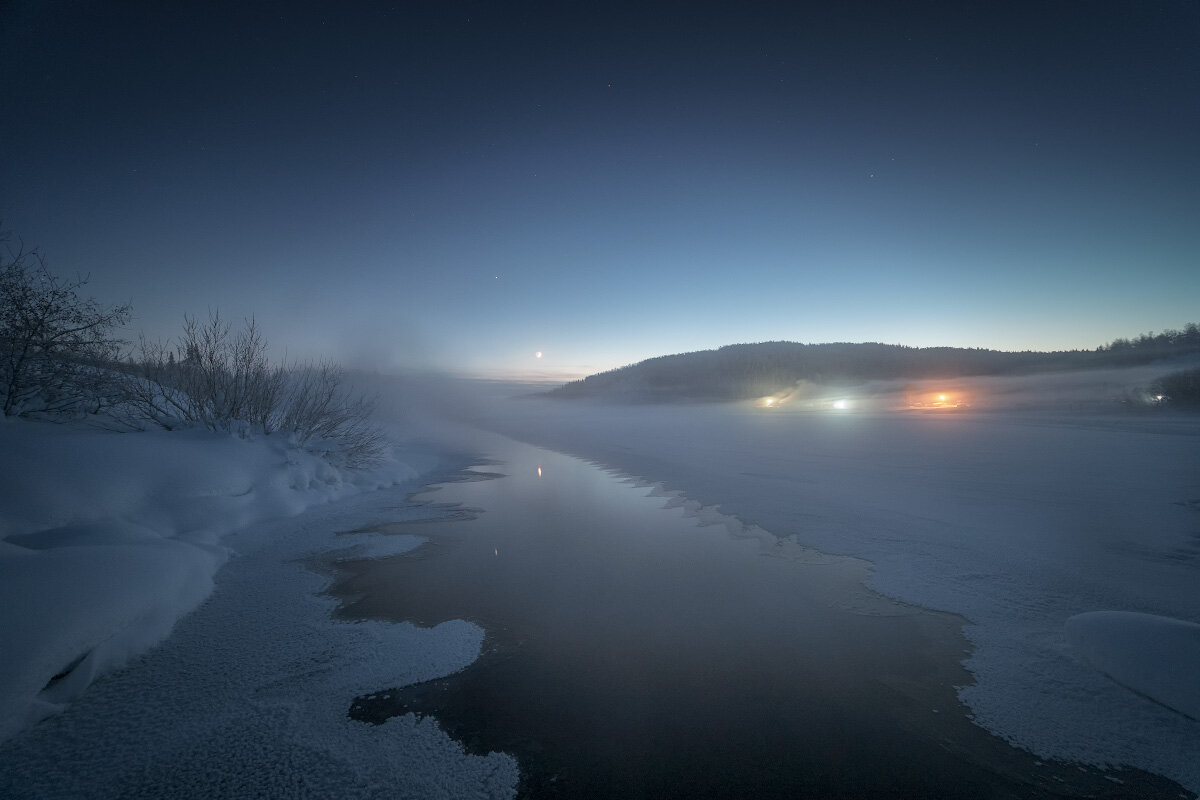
{"x":1168,"y":342}
{"x":745,"y":371}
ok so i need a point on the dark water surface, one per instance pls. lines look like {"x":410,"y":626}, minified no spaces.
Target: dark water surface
{"x":633,"y":652}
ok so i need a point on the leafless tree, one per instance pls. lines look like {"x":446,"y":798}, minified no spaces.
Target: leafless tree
{"x":56,"y":348}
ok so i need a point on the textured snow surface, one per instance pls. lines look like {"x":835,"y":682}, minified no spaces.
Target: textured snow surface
{"x":106,"y":539}
{"x":1015,"y":521}
{"x":249,"y":696}
{"x":1158,"y":657}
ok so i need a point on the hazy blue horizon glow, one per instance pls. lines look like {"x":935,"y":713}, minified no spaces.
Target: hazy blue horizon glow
{"x":461,"y":186}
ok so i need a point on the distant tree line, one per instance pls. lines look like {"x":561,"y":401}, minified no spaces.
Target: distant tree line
{"x":1167,"y":342}
{"x":745,"y":371}
{"x":61,"y":358}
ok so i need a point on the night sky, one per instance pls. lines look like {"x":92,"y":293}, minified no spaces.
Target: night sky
{"x":463,"y":185}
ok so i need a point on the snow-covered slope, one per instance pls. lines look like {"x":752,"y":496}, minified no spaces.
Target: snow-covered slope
{"x":107,"y":539}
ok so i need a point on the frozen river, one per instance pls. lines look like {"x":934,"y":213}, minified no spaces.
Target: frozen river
{"x":639,"y":646}
{"x":1016,"y":521}
{"x":598,"y":635}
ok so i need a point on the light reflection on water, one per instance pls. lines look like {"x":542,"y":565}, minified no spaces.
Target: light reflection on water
{"x":637,"y":651}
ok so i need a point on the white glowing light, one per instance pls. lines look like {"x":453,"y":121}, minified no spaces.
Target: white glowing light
{"x":538,"y":354}
{"x":841,"y":405}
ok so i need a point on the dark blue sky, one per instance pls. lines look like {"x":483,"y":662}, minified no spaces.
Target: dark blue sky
{"x":462,"y":185}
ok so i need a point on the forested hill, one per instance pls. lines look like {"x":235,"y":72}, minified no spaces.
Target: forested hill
{"x":745,"y":371}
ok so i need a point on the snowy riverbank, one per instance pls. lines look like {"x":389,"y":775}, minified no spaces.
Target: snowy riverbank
{"x":109,"y":538}
{"x":249,"y":694}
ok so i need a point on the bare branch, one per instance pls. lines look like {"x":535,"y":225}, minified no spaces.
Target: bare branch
{"x":224,"y":381}
{"x":55,"y":347}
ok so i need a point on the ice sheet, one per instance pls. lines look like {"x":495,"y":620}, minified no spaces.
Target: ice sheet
{"x":1158,"y":657}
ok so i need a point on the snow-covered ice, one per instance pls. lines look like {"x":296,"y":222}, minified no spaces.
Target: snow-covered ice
{"x":1158,"y":657}
{"x":367,"y":544}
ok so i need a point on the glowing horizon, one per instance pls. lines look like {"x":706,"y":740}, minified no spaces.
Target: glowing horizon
{"x":610,"y":185}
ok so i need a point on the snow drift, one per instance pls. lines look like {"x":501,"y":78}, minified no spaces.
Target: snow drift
{"x":107,"y":539}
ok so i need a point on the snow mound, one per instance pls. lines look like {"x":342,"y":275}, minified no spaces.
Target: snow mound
{"x":107,"y":539}
{"x":1158,"y":657}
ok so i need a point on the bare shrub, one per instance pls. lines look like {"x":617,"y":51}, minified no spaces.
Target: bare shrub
{"x":56,"y":348}
{"x":317,"y":410}
{"x":224,"y":381}
{"x":227,"y":379}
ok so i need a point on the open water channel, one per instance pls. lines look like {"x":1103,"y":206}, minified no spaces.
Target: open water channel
{"x":637,"y":647}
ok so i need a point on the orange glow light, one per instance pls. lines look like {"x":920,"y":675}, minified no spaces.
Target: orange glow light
{"x":935,"y":401}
